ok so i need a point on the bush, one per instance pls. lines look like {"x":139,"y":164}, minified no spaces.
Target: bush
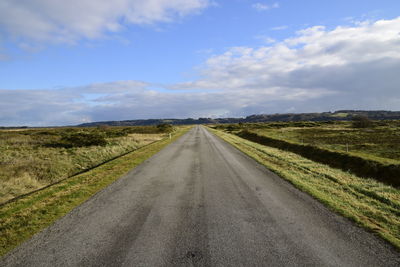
{"x":112,"y":132}
{"x":165,"y":128}
{"x":231,"y":128}
{"x":81,"y":139}
{"x":361,"y":122}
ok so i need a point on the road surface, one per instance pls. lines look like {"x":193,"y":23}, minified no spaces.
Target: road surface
{"x":201,"y":202}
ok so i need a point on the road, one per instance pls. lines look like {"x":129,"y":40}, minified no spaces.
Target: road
{"x":201,"y":202}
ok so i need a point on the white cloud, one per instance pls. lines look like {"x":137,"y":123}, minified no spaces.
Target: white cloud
{"x":68,"y":21}
{"x":355,"y":66}
{"x":264,"y":7}
{"x":313,"y":47}
{"x":124,"y":100}
{"x":317,"y":70}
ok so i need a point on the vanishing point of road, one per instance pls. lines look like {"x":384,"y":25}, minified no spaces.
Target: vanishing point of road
{"x":201,"y":202}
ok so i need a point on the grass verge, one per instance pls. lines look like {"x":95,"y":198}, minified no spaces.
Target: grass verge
{"x":359,"y":166}
{"x":370,"y":204}
{"x":21,"y":219}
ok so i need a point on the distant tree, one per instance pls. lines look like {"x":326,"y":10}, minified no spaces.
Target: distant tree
{"x":361,"y":121}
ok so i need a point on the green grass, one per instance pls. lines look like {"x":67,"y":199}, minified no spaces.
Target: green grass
{"x":370,"y":204}
{"x":21,"y":219}
{"x":372,"y":152}
{"x":380,"y":143}
{"x":31,"y":159}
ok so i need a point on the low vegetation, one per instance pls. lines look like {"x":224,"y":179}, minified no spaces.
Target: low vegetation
{"x":370,"y":204}
{"x":340,"y":115}
{"x":362,"y":122}
{"x":379,"y":141}
{"x":22,"y":218}
{"x":366,"y":148}
{"x":33,"y":158}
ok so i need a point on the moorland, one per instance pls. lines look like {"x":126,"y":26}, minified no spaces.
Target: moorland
{"x":34,"y":158}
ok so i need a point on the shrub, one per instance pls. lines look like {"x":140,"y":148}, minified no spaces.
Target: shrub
{"x":113,"y":132}
{"x":361,"y":122}
{"x":165,"y":128}
{"x":230,"y":128}
{"x":81,"y":139}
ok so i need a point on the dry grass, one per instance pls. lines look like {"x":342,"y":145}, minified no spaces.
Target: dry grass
{"x":28,"y":161}
{"x":370,"y":204}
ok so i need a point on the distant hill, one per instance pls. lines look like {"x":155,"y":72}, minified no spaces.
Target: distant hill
{"x":339,"y":115}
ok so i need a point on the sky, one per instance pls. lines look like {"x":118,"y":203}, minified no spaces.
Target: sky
{"x":76,"y":61}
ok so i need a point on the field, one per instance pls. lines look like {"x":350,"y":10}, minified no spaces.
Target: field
{"x":370,"y":151}
{"x":33,"y":158}
{"x":381,"y":142}
{"x":371,"y":204}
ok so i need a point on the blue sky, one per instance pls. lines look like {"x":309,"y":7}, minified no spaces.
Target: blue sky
{"x":89,"y":60}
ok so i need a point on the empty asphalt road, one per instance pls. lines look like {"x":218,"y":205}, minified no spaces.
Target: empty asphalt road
{"x":201,"y":202}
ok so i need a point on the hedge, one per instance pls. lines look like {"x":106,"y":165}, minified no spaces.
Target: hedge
{"x":389,"y":174}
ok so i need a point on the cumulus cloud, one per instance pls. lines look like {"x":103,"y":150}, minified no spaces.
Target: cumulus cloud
{"x":319,"y":69}
{"x":264,"y":7}
{"x":315,"y":58}
{"x":68,"y":21}
{"x":39,"y":107}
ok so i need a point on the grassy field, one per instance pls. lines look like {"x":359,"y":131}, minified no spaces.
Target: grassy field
{"x":31,"y":159}
{"x":381,"y":142}
{"x":370,"y":204}
{"x":21,"y":219}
